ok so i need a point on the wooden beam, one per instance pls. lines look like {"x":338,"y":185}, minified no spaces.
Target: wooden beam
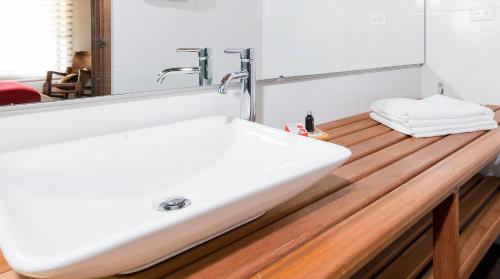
{"x":446,"y":244}
{"x":419,"y":254}
{"x":477,"y":238}
{"x":4,"y":267}
{"x":481,"y":235}
{"x":375,"y":144}
{"x":12,"y":275}
{"x":412,"y":261}
{"x":343,"y":122}
{"x":379,"y":160}
{"x":351,"y":128}
{"x":362,"y":135}
{"x":387,"y":264}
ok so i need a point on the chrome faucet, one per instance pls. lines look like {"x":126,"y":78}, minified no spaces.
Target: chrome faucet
{"x":247,"y":80}
{"x":204,"y":70}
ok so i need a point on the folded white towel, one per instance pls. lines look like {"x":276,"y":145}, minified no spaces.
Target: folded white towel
{"x":442,"y":122}
{"x":453,"y":132}
{"x":437,"y":130}
{"x":434,"y":116}
{"x":471,"y":126}
{"x":437,"y":107}
{"x":396,"y":125}
{"x":415,"y":124}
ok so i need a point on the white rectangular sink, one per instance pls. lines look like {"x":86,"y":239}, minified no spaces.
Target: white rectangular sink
{"x":91,"y":207}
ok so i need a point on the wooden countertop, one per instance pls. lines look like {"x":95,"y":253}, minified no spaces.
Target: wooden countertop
{"x":391,"y":179}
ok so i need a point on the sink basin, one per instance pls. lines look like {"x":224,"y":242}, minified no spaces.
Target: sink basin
{"x":100,"y":206}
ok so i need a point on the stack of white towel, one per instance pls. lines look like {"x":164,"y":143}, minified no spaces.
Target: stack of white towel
{"x":434,"y":116}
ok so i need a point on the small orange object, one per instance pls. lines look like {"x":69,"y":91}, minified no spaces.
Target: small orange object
{"x":319,"y":135}
{"x":300,"y":129}
{"x":297,"y":128}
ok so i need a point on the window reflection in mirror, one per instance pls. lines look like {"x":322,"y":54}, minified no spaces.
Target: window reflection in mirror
{"x":49,"y":50}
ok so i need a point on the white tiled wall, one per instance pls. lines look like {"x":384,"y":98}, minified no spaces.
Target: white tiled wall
{"x":146,"y":34}
{"x":463,"y":54}
{"x":323,"y":36}
{"x":335,"y":97}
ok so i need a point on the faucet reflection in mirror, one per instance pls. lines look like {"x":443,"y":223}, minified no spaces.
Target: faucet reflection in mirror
{"x":204,"y":70}
{"x":247,"y":80}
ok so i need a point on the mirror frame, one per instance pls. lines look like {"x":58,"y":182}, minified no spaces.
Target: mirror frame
{"x":101,"y":47}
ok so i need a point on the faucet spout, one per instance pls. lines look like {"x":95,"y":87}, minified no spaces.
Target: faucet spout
{"x":248,"y":82}
{"x":177,"y":71}
{"x":227,"y":79}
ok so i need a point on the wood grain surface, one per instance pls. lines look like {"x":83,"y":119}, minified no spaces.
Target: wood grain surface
{"x":388,"y":262}
{"x":477,"y":238}
{"x":446,"y":238}
{"x":419,"y":254}
{"x":354,"y":242}
{"x":4,"y":267}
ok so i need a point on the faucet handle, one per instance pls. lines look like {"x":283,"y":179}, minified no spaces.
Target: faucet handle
{"x":202,"y":52}
{"x":234,"y":50}
{"x":188,"y":49}
{"x":245,"y":53}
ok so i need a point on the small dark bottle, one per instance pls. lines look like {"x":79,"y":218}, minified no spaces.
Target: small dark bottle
{"x":310,"y":122}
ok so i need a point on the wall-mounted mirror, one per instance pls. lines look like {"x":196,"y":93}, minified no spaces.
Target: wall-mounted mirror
{"x":72,"y":49}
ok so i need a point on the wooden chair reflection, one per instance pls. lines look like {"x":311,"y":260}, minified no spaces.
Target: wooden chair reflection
{"x":76,"y":79}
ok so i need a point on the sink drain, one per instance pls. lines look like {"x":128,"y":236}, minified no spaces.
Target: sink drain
{"x":175,"y":203}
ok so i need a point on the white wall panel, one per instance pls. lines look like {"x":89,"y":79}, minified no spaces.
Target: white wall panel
{"x":454,"y":5}
{"x":334,"y":97}
{"x":461,"y":53}
{"x":324,"y":36}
